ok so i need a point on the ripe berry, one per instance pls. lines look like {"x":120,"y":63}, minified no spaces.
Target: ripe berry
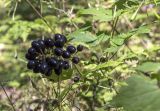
{"x":30,"y":57}
{"x":49,"y":42}
{"x":31,"y":64}
{"x":42,"y":44}
{"x":60,"y":63}
{"x":58,"y":71}
{"x":37,"y":68}
{"x":66,"y":54}
{"x":57,"y":36}
{"x":66,"y":65}
{"x":71,"y":49}
{"x":80,"y":47}
{"x":44,"y":68}
{"x":59,"y":43}
{"x":76,"y":79}
{"x":64,"y":38}
{"x":52,"y":62}
{"x":32,"y":51}
{"x":36,"y":45}
{"x":75,"y":60}
{"x":60,"y":36}
{"x":58,"y":51}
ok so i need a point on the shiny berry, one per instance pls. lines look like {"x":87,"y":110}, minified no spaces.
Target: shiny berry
{"x":58,"y":51}
{"x":42,"y":44}
{"x":31,"y":64}
{"x":59,"y":43}
{"x":57,"y":36}
{"x":52,"y":62}
{"x":37,"y":68}
{"x":49,"y":42}
{"x":71,"y":49}
{"x":66,"y":54}
{"x":32,"y":51}
{"x":60,"y":63}
{"x":60,"y":36}
{"x":44,"y":68}
{"x":80,"y":47}
{"x":75,"y":60}
{"x":64,"y":38}
{"x":36,"y":45}
{"x":66,"y":65}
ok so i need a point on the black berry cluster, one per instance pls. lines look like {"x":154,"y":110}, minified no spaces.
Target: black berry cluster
{"x":51,"y":54}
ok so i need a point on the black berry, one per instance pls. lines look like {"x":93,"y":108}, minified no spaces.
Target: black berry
{"x":58,"y":51}
{"x":60,"y":36}
{"x":57,"y":36}
{"x":32,"y":51}
{"x":66,"y":54}
{"x":60,"y":63}
{"x":64,"y":38}
{"x":80,"y":47}
{"x":49,"y":42}
{"x":71,"y":49}
{"x":75,"y":60}
{"x":66,"y":65}
{"x":53,"y":62}
{"x":42,"y":44}
{"x":59,"y":43}
{"x":44,"y":68}
{"x":37,"y":68}
{"x":31,"y":64}
{"x":36,"y":45}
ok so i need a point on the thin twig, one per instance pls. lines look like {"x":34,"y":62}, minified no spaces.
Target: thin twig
{"x":59,"y":93}
{"x":40,"y":15}
{"x":8,"y":97}
{"x":114,"y":26}
{"x":78,"y":70}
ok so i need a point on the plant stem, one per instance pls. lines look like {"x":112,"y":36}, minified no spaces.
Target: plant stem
{"x":8,"y":97}
{"x":59,"y":93}
{"x":39,"y":14}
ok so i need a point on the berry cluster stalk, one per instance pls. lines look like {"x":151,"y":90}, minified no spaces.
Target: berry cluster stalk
{"x":59,"y":93}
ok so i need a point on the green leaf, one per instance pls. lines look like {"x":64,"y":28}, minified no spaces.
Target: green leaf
{"x":149,"y":67}
{"x":111,"y":49}
{"x":94,"y":11}
{"x":141,"y":94}
{"x":100,"y":14}
{"x":110,"y":63}
{"x":82,"y":36}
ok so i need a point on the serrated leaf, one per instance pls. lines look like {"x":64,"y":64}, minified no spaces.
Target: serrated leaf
{"x":110,"y":63}
{"x":149,"y":67}
{"x":101,"y":14}
{"x":111,"y":49}
{"x":82,"y":36}
{"x":140,"y":94}
{"x":101,"y":38}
